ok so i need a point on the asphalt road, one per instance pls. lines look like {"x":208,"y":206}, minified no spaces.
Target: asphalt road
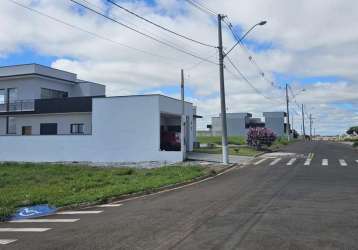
{"x":262,"y":206}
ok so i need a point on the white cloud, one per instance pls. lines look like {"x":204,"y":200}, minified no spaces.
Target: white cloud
{"x":310,"y":38}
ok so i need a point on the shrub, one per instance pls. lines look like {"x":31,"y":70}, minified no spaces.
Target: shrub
{"x":353,"y":130}
{"x":258,"y":137}
{"x":355,"y":144}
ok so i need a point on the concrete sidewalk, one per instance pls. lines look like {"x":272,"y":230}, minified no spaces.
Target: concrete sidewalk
{"x":217,"y":158}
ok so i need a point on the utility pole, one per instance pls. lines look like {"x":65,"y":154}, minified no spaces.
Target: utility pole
{"x":183,"y":117}
{"x":288,"y":114}
{"x":311,"y":126}
{"x":292,"y":124}
{"x":303,"y":124}
{"x":222,"y":95}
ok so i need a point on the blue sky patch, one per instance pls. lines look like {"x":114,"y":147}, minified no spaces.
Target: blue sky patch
{"x":25,"y":56}
{"x":285,"y":78}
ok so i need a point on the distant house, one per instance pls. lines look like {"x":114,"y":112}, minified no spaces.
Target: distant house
{"x":276,"y":122}
{"x":49,"y":115}
{"x":238,"y":124}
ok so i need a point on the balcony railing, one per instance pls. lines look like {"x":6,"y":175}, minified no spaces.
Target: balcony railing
{"x":18,"y":106}
{"x":47,"y":106}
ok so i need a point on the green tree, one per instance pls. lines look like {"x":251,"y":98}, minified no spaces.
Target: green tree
{"x":353,"y":130}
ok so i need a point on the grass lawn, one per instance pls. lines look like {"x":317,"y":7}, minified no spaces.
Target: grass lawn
{"x":235,"y":140}
{"x":61,"y":185}
{"x":242,"y":151}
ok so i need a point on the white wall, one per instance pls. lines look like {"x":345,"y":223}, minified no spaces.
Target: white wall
{"x":29,"y":88}
{"x":124,"y":129}
{"x":63,"y":121}
{"x":88,"y":89}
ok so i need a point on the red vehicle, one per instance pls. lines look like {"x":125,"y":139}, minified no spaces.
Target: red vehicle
{"x":170,"y":141}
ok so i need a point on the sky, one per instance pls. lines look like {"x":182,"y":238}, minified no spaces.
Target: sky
{"x":309,"y":44}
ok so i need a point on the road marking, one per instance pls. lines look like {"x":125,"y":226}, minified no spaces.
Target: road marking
{"x":110,"y":205}
{"x":7,"y":241}
{"x":260,"y":161}
{"x":309,"y":159}
{"x":343,"y":163}
{"x":275,"y":161}
{"x":308,"y":162}
{"x":28,"y":229}
{"x":357,"y":161}
{"x":291,"y":161}
{"x":80,"y":212}
{"x":45,"y":221}
{"x":325,"y":162}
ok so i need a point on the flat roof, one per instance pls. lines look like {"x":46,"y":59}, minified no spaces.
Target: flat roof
{"x":147,"y":95}
{"x":36,"y":69}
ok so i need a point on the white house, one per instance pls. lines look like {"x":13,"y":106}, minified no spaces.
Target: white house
{"x":48,"y":115}
{"x":238,"y":124}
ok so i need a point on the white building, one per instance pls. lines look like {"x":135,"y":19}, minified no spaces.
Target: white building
{"x":48,"y":115}
{"x":238,"y":124}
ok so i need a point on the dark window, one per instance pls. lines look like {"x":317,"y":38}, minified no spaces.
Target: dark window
{"x":51,"y":93}
{"x":10,"y":125}
{"x":77,"y":128}
{"x":11,"y":99}
{"x":26,"y":130}
{"x":48,"y":129}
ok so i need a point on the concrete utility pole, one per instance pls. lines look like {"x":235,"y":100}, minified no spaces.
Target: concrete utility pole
{"x":222,"y":95}
{"x":288,"y":130}
{"x":292,"y":123}
{"x":183,"y":118}
{"x":303,"y":124}
{"x":311,"y":126}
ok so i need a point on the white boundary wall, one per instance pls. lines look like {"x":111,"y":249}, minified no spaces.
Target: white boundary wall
{"x":124,"y":129}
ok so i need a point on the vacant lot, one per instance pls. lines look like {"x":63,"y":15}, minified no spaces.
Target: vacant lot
{"x":235,"y":140}
{"x":61,"y":185}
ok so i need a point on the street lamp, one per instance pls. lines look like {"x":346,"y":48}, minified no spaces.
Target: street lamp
{"x":224,"y":143}
{"x":243,"y":37}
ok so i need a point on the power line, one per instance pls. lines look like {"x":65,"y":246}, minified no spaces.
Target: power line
{"x":141,"y":33}
{"x":100,"y":9}
{"x":248,"y":81}
{"x":196,"y":64}
{"x":160,"y":26}
{"x":251,"y":58}
{"x":86,"y":31}
{"x":201,"y":7}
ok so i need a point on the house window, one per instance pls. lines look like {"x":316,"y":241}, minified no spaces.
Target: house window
{"x":77,"y":128}
{"x":51,"y":93}
{"x":11,"y":99}
{"x":2,"y":100}
{"x":10,"y":125}
{"x":2,"y":96}
{"x":48,"y":129}
{"x":26,"y":130}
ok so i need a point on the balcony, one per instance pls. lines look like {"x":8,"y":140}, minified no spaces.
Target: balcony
{"x":18,"y":106}
{"x":48,"y":106}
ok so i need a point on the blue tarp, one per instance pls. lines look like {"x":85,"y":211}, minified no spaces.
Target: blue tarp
{"x":33,"y":212}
